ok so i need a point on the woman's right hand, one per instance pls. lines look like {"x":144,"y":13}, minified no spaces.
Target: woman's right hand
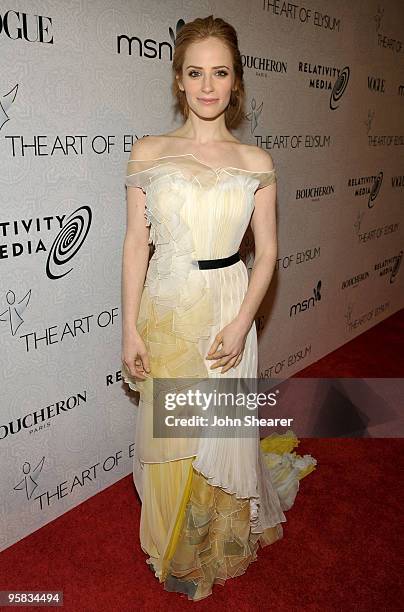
{"x":135,"y":356}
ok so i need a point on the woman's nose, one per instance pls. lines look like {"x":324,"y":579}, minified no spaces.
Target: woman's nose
{"x":207,"y":85}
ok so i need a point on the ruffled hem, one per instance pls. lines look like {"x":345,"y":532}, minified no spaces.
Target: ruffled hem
{"x":216,"y":540}
{"x":286,"y":468}
{"x":200,"y":589}
{"x":211,"y":538}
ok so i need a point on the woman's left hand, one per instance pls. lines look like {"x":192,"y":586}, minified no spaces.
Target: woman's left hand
{"x":232,"y":338}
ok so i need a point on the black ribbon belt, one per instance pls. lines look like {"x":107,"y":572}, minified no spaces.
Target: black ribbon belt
{"x":208,"y":264}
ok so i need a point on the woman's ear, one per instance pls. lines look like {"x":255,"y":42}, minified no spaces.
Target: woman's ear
{"x":179,"y":83}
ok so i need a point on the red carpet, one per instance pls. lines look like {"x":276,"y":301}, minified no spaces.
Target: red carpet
{"x":341,"y":545}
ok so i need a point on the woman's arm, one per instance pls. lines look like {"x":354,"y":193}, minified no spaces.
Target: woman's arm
{"x":263,"y":225}
{"x":136,"y":251}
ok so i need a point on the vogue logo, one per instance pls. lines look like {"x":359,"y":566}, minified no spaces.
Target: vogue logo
{"x":22,"y":26}
{"x":376,"y":84}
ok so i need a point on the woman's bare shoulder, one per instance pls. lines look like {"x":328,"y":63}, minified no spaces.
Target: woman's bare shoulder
{"x":147,"y":147}
{"x":258,"y":159}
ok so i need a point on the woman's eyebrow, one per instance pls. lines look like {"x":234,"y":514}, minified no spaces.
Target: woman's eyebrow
{"x":201,"y":68}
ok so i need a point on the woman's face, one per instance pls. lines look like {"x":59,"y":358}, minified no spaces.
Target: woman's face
{"x":207,"y":77}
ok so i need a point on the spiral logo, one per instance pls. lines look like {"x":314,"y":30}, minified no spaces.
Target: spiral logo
{"x":339,"y":88}
{"x":68,"y":242}
{"x":396,"y":267}
{"x":374,"y":192}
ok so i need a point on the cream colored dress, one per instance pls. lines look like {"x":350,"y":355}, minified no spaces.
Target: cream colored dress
{"x":206,"y":502}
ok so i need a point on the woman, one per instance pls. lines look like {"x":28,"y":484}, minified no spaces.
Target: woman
{"x":206,"y":502}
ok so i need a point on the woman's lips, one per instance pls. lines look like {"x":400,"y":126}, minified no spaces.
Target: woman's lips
{"x":207,"y":101}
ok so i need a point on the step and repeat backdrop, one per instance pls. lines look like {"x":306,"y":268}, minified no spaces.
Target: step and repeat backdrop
{"x":80,"y":82}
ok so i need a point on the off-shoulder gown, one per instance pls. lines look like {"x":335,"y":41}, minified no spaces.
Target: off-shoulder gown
{"x":207,"y":503}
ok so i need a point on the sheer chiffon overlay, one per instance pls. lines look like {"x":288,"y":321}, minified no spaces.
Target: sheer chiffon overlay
{"x":207,"y":503}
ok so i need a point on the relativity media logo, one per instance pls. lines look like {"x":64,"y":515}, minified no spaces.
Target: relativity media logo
{"x":26,"y":237}
{"x":389,"y":267}
{"x":368,"y":187}
{"x":321,"y":78}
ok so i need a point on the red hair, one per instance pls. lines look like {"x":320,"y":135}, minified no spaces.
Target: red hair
{"x":195,"y":31}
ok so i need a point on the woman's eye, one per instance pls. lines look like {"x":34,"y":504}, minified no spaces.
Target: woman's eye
{"x":192,"y":73}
